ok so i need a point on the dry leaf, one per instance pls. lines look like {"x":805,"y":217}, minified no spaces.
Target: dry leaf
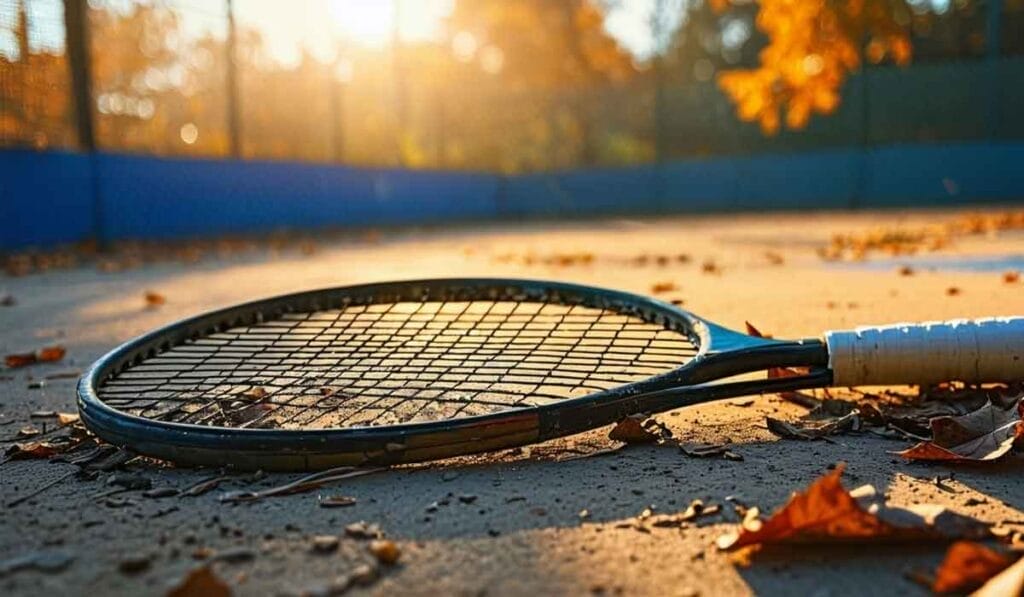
{"x":809,"y":430}
{"x":967,"y":566}
{"x":385,"y":550}
{"x":201,"y":582}
{"x":905,"y":270}
{"x":984,"y":434}
{"x":337,"y":501}
{"x":1011,"y":277}
{"x":25,"y":359}
{"x":710,"y":267}
{"x":952,"y":291}
{"x":753,"y":331}
{"x":632,"y":430}
{"x":663,"y":287}
{"x":31,"y":450}
{"x":67,"y":418}
{"x":49,"y":354}
{"x":153,"y":299}
{"x":255,"y":393}
{"x":1008,"y":582}
{"x":827,"y":513}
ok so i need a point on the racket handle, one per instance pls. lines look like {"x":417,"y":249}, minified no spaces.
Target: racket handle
{"x":972,"y":351}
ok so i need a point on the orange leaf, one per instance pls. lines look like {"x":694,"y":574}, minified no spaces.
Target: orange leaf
{"x":201,"y":582}
{"x":20,"y":360}
{"x":967,"y":566}
{"x":987,"y":433}
{"x":51,"y":354}
{"x":631,"y":430}
{"x":31,"y":450}
{"x":826,"y":513}
{"x":154,"y":299}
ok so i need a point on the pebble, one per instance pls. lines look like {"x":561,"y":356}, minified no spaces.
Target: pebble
{"x":134,"y":564}
{"x":325,"y":543}
{"x":386,"y":551}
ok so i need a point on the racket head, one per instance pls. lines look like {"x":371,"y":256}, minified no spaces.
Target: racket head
{"x":394,"y":372}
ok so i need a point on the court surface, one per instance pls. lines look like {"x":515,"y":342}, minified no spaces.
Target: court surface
{"x":511,"y":522}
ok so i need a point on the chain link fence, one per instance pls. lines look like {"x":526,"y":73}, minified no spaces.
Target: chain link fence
{"x":235,"y":78}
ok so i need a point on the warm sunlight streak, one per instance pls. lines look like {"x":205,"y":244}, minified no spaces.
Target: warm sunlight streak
{"x":372,"y":22}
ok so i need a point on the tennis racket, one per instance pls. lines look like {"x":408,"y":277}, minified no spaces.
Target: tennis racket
{"x":411,"y":371}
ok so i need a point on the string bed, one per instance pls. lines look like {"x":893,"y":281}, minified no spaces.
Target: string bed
{"x":393,"y":363}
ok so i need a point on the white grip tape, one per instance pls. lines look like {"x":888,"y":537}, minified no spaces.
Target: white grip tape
{"x":973,"y":351}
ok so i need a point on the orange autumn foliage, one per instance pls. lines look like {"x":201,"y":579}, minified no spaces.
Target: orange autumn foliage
{"x":967,"y":566}
{"x":814,"y":46}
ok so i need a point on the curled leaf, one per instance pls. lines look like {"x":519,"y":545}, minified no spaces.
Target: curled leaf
{"x":827,"y":513}
{"x":967,"y":566}
{"x":985,"y":434}
{"x":153,"y":299}
{"x":201,"y":582}
{"x":32,"y":450}
{"x":49,"y":354}
{"x":638,"y":429}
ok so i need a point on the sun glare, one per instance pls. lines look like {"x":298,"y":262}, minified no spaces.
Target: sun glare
{"x":372,"y":22}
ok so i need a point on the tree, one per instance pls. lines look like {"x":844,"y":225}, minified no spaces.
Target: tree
{"x":813,"y":47}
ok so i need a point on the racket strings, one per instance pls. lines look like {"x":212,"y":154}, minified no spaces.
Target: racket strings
{"x":394,"y":363}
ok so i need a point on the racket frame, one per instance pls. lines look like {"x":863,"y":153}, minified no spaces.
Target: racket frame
{"x":722,"y":353}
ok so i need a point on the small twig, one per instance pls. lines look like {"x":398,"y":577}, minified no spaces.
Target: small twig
{"x":29,"y":496}
{"x":307,"y":483}
{"x":601,"y":452}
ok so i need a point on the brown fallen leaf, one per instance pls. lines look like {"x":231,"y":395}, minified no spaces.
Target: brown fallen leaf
{"x":1011,"y":277}
{"x":753,"y":331}
{"x":49,"y":354}
{"x":32,"y":450}
{"x":710,"y":450}
{"x":153,"y":299}
{"x":24,"y":359}
{"x":985,"y":434}
{"x":201,"y":582}
{"x":905,"y":270}
{"x":952,"y":291}
{"x":967,"y":566}
{"x":385,"y":550}
{"x":254,"y":393}
{"x":774,"y":258}
{"x":337,"y":501}
{"x":637,"y":429}
{"x":67,"y":418}
{"x":827,"y":513}
{"x":1007,"y":582}
{"x":663,"y":287}
{"x":810,"y":430}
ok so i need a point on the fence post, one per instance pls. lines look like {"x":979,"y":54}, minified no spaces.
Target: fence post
{"x":76,"y":28}
{"x":76,"y":15}
{"x":234,"y":119}
{"x":993,"y":39}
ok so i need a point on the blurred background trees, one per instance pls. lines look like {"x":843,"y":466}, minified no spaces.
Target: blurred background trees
{"x":512,"y":85}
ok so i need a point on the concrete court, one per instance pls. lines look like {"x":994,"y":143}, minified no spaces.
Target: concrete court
{"x":523,"y":533}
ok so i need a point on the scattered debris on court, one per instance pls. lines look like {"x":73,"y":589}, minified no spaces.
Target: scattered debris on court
{"x":896,"y":241}
{"x":827,"y":513}
{"x":987,"y":433}
{"x":966,"y":567}
{"x":48,"y":354}
{"x":153,"y":299}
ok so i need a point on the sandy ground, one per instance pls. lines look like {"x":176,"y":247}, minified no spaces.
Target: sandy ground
{"x":523,"y":533}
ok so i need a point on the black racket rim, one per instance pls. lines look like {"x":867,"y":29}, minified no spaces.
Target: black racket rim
{"x":306,"y":449}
